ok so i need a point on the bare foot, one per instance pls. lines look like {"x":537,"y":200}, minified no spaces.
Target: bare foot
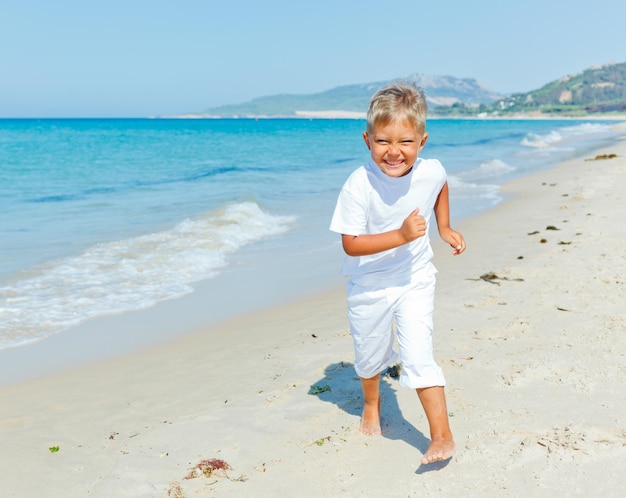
{"x":439,"y":449}
{"x":370,"y":420}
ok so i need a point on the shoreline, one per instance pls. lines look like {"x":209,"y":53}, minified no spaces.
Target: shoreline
{"x":356,"y":115}
{"x":533,"y":359}
{"x":113,"y":334}
{"x":330,"y":115}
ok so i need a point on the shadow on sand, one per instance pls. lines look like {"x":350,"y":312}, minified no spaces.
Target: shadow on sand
{"x":345,"y":392}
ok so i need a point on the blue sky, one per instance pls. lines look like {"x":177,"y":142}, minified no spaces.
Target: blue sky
{"x":95,"y":58}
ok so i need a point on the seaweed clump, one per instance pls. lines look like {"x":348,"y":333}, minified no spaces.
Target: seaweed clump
{"x":208,"y":467}
{"x":213,"y":467}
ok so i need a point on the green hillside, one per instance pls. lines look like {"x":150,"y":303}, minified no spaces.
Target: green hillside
{"x":595,"y":90}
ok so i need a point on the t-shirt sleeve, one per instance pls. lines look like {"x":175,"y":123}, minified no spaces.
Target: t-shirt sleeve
{"x":350,"y":216}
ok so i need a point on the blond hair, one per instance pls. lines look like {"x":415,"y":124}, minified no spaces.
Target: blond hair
{"x":400,"y":100}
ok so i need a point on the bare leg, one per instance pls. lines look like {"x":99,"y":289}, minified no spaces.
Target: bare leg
{"x":442,"y":444}
{"x":370,"y":419}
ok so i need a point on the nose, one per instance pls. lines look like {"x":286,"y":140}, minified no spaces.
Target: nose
{"x":393,"y":150}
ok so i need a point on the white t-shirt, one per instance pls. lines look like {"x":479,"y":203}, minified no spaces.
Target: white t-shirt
{"x":371,"y":202}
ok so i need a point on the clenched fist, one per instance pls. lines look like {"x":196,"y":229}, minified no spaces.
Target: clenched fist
{"x":413,"y":226}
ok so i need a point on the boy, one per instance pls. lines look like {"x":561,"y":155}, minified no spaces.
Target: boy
{"x":383,"y":213}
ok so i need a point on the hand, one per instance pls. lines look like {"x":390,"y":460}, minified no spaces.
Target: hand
{"x":455,"y":239}
{"x":414,"y":226}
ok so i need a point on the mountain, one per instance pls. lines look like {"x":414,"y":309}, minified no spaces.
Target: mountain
{"x":352,"y":100}
{"x":599,"y":89}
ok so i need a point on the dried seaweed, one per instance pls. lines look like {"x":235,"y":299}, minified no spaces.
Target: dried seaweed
{"x":319,"y":389}
{"x":213,"y":467}
{"x":491,"y":277}
{"x":600,"y":157}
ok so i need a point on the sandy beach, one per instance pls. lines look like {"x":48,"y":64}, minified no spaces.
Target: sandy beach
{"x":529,"y":330}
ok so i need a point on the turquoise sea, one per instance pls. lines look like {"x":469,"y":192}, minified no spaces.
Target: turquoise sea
{"x":102,"y":216}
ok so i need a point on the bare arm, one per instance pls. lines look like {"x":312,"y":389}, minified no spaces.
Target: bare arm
{"x":413,"y":227}
{"x":442,"y":215}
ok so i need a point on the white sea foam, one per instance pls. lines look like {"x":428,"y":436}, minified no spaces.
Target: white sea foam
{"x":129,"y":274}
{"x":586,"y":129}
{"x":542,"y":141}
{"x":554,"y":137}
{"x":466,"y":190}
{"x":489,"y":169}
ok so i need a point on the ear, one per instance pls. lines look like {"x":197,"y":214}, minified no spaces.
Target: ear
{"x":423,"y":142}
{"x":367,"y":140}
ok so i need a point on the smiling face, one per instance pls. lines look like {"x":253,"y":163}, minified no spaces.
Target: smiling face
{"x":395,"y":146}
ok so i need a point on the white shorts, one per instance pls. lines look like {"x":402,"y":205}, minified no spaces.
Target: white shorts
{"x":372,"y":311}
